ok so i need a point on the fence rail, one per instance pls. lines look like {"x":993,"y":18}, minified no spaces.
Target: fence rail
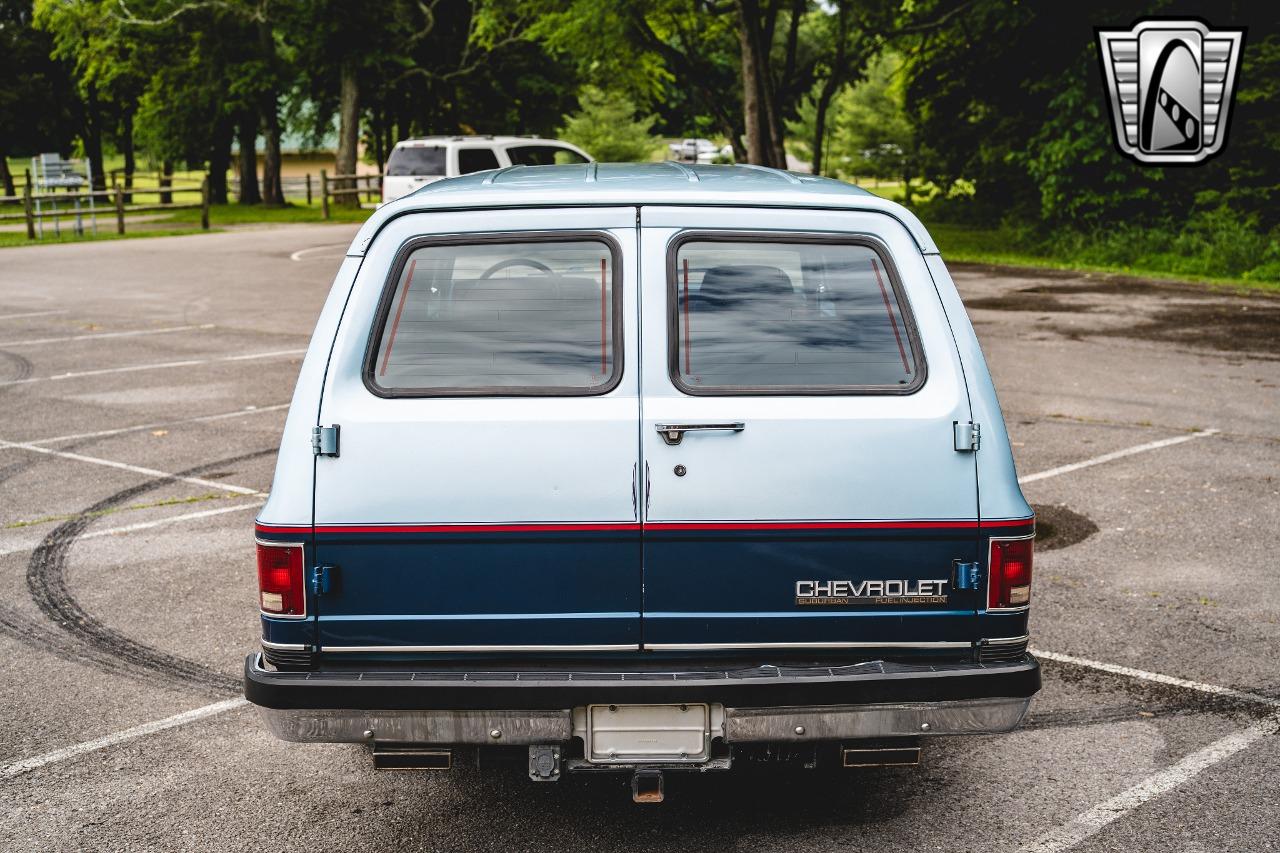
{"x":348,"y":185}
{"x":35,"y":213}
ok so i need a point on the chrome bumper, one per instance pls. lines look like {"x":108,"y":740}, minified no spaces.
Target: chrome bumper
{"x":741,"y":725}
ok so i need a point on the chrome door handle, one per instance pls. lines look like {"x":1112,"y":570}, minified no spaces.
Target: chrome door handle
{"x":673,"y":433}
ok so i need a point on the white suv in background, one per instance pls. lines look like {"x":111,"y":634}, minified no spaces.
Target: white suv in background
{"x":417,"y":162}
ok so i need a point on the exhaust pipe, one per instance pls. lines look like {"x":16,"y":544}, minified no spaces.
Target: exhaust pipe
{"x":392,"y":756}
{"x":646,"y":786}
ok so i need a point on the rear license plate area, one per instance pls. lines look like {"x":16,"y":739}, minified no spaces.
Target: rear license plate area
{"x":638,"y":734}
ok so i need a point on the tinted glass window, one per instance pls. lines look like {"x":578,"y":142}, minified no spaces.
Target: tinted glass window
{"x":543,"y":155}
{"x":416,"y":160}
{"x":537,"y":317}
{"x":778,"y":316}
{"x":476,"y":160}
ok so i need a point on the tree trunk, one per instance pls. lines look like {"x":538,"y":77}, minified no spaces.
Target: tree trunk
{"x":752,"y":109}
{"x":272,"y":186}
{"x":820,"y":129}
{"x":92,"y":137}
{"x":777,"y":151}
{"x":375,"y":135}
{"x":166,"y":180}
{"x":348,"y":133}
{"x":6,"y":176}
{"x":126,"y":145}
{"x":248,"y":134}
{"x":220,"y":159}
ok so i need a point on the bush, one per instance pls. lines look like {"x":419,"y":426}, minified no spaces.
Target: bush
{"x":1219,"y":243}
{"x":606,"y":127}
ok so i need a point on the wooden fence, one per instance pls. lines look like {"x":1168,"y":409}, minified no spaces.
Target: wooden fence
{"x":34,"y":210}
{"x":335,"y":186}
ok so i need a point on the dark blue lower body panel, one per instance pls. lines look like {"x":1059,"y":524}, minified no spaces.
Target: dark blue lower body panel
{"x":482,"y":590}
{"x":714,"y":587}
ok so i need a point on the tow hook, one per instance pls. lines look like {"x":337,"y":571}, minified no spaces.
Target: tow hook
{"x":646,"y":786}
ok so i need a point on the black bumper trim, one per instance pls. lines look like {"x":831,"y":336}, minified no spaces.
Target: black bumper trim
{"x":533,"y":689}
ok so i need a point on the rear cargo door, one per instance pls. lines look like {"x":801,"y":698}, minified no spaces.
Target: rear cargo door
{"x":800,"y":387}
{"x":484,"y":494}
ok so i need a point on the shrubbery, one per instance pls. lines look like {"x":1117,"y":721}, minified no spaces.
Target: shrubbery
{"x":1218,"y":242}
{"x":606,"y":127}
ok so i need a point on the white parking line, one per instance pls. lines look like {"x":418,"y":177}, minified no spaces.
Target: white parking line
{"x":1089,"y":823}
{"x":26,"y":765}
{"x":1157,"y":677}
{"x":161,"y":366}
{"x":103,"y":433}
{"x":302,"y":253}
{"x":93,"y":337}
{"x":125,"y":466}
{"x":1117,"y":454}
{"x":29,"y":314}
{"x":144,"y":525}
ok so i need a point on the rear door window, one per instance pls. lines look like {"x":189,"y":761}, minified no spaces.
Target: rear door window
{"x":543,"y":155}
{"x":416,"y":160}
{"x":500,"y":317}
{"x":476,"y":160}
{"x":775,"y":316}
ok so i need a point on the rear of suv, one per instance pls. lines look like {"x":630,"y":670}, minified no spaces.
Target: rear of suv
{"x":414,"y":163}
{"x":643,"y":468}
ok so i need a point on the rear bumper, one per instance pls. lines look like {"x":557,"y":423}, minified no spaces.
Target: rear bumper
{"x":810,"y":703}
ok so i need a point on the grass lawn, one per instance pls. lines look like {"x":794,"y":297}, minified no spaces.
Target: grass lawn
{"x":966,"y":243}
{"x":188,"y":222}
{"x":294,"y":211}
{"x":10,"y":239}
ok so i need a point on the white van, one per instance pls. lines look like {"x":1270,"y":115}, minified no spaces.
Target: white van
{"x":643,"y":468}
{"x":415,"y":163}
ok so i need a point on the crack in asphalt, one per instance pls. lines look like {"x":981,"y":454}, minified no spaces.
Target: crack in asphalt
{"x":83,"y":636}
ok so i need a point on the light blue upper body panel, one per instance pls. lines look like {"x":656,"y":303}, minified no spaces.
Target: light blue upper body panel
{"x":616,"y":184}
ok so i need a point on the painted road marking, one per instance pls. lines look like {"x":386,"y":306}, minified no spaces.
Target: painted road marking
{"x":36,"y":761}
{"x":161,"y":366}
{"x":1094,"y":820}
{"x":302,"y":253}
{"x":1090,"y":822}
{"x":125,"y":466}
{"x":1118,"y":454}
{"x":103,"y":433}
{"x":93,"y":337}
{"x":29,"y":314}
{"x":1158,"y":678}
{"x":144,"y":525}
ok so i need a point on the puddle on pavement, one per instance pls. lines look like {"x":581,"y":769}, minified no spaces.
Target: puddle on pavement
{"x":1060,"y":527}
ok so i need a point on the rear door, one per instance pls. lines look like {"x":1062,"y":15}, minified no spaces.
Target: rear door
{"x":800,"y":386}
{"x":484,"y":498}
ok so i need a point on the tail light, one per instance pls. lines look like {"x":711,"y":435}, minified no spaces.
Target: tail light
{"x":1009,"y":573}
{"x":280,"y":583}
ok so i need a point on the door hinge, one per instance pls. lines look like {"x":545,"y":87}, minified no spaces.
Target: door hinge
{"x":324,"y":440}
{"x":319,"y":580}
{"x":967,"y":575}
{"x":967,"y":435}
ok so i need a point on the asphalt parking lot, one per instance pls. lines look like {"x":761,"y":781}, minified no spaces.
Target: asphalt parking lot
{"x":143,"y":386}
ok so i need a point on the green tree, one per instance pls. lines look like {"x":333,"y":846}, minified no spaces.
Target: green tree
{"x":606,"y":127}
{"x":36,"y":91}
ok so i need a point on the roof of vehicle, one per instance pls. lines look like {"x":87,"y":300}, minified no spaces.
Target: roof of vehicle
{"x":503,"y":140}
{"x":622,"y":184}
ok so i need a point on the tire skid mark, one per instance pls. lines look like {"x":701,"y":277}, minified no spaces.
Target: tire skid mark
{"x":21,"y":370}
{"x":91,"y":639}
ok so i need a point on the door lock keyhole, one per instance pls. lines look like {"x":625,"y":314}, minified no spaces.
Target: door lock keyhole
{"x":680,"y":470}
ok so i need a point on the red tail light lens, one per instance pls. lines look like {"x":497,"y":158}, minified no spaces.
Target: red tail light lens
{"x":1009,"y":571}
{"x":280,"y":589}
